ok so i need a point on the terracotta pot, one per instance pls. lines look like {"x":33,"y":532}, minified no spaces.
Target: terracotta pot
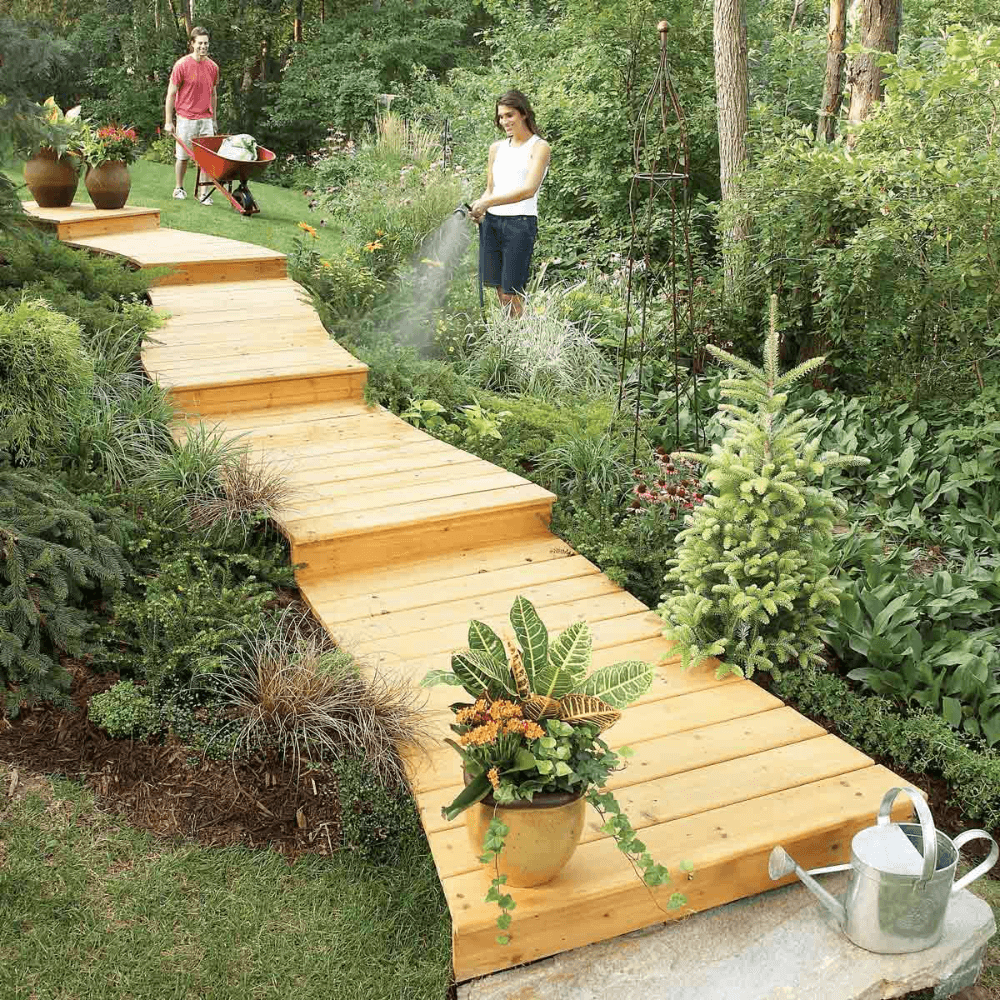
{"x":543,"y":835}
{"x":108,"y":184}
{"x":52,"y":180}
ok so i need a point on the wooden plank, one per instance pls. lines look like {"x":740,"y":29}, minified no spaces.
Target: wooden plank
{"x":441,"y":766}
{"x":437,"y":568}
{"x":416,"y":456}
{"x":99,"y":227}
{"x":594,"y":899}
{"x":444,"y":469}
{"x":253,"y":368}
{"x":678,"y":754}
{"x":295,"y":413}
{"x":527,"y":577}
{"x":232,"y":336}
{"x":227,"y":294}
{"x":480,"y":478}
{"x":613,"y":619}
{"x":163,"y":246}
{"x":677,"y":796}
{"x":586,"y":582}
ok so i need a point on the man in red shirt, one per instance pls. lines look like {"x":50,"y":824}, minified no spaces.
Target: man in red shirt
{"x":192,"y":93}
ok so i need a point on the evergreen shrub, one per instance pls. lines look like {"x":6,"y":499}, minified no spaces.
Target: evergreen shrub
{"x":58,"y":557}
{"x":45,"y":372}
{"x":751,"y":582}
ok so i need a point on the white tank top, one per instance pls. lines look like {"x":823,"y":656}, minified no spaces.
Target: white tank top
{"x":510,"y":172}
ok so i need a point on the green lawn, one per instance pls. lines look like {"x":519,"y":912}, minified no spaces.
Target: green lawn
{"x":91,"y":908}
{"x":277,"y":225}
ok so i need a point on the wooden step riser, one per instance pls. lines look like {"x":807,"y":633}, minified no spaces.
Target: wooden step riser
{"x":223,"y":270}
{"x":409,"y":544}
{"x":254,"y":396}
{"x":104,"y":227}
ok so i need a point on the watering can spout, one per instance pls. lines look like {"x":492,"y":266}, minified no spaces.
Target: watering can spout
{"x":781,"y":864}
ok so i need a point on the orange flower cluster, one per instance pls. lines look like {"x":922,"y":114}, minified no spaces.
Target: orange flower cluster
{"x":494,"y":775}
{"x":492,"y":719}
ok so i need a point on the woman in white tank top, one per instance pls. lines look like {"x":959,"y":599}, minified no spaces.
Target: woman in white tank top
{"x":507,"y":211}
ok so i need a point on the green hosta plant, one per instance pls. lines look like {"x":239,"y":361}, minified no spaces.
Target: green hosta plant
{"x":751,"y":581}
{"x":534,"y":727}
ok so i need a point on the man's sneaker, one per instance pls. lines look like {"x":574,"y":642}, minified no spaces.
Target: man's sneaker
{"x":180,"y":194}
{"x":206,"y":198}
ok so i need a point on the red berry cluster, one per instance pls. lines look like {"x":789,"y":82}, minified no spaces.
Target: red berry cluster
{"x":674,"y":484}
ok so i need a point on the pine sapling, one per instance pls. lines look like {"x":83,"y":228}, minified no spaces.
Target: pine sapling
{"x":750,"y":583}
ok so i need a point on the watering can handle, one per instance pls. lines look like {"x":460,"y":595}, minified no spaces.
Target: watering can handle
{"x":926,"y":825}
{"x":964,"y":838}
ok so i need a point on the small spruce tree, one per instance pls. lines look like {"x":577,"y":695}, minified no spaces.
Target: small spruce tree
{"x":750,"y":583}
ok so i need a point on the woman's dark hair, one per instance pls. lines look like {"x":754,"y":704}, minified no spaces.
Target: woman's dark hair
{"x":515,"y":99}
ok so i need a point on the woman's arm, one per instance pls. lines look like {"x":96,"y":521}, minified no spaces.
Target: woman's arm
{"x":477,"y":215}
{"x":536,"y":171}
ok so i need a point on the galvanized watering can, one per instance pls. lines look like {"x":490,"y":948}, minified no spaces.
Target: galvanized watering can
{"x":901,"y":880}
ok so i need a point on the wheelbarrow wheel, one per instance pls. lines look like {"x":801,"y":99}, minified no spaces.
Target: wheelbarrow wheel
{"x":244,"y":199}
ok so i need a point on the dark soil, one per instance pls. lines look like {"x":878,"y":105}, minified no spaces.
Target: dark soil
{"x":169,"y":789}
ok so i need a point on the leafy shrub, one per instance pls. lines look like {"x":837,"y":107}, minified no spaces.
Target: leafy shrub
{"x":187,"y":614}
{"x":376,"y":819}
{"x":343,"y":288}
{"x":57,"y":554}
{"x":44,"y":372}
{"x":921,"y":742}
{"x":583,"y":465}
{"x":124,"y":712}
{"x":751,"y":577}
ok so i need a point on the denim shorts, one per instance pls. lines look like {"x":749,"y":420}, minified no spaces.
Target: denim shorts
{"x":506,"y":243}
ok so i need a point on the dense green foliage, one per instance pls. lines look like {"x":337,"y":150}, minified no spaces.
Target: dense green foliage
{"x":58,"y":556}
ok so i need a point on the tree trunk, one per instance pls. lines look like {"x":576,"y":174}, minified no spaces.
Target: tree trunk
{"x":796,"y":10}
{"x":833,"y":85}
{"x":879,"y":22}
{"x":731,"y":85}
{"x":297,"y":27}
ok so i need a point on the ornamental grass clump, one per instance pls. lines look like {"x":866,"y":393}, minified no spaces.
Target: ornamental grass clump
{"x":751,"y":581}
{"x":288,"y":686}
{"x":534,"y":726}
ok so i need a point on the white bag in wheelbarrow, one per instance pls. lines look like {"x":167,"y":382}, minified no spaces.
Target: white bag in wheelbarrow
{"x":239,"y":147}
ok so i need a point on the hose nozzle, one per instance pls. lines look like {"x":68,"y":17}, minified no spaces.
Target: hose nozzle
{"x":463,"y":210}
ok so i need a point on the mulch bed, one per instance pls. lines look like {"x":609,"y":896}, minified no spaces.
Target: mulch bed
{"x":169,"y":789}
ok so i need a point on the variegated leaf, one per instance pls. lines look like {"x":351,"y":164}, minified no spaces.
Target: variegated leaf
{"x":538,"y":707}
{"x":533,"y":637}
{"x":520,"y":675}
{"x":481,"y":636}
{"x":585,"y":708}
{"x":479,"y":671}
{"x":569,"y":659}
{"x":619,"y":684}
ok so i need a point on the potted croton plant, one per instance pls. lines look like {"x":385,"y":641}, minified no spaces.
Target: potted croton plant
{"x":108,"y":151}
{"x":51,"y":146}
{"x":532,"y":753}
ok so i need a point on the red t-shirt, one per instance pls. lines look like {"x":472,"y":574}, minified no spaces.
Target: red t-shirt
{"x":195,"y":82}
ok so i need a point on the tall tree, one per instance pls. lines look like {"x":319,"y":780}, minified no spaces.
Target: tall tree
{"x":833,"y":85}
{"x":731,"y":86}
{"x":879,"y":24}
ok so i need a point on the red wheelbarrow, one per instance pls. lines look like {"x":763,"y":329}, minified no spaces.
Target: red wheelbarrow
{"x":221,"y":170}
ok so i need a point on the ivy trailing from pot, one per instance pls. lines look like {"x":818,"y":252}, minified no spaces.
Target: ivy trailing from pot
{"x":532,"y":752}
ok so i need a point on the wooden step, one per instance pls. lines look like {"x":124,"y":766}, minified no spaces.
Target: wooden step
{"x":597,"y":896}
{"x":80,"y":220}
{"x":271,"y":389}
{"x":234,"y":369}
{"x":190,"y":258}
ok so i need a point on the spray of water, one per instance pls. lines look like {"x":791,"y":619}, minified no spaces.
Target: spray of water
{"x":424,"y":285}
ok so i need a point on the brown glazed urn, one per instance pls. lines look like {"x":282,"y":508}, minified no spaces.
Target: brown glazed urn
{"x":52,"y":180}
{"x":109,"y":184}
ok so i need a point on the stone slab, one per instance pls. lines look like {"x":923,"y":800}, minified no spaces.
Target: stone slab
{"x":781,"y":945}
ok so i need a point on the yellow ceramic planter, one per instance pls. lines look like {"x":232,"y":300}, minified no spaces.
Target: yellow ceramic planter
{"x":543,"y":835}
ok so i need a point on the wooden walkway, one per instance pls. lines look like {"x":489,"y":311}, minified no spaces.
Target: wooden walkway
{"x":405,"y":538}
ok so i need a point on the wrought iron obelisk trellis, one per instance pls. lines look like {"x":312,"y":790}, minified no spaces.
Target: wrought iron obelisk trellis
{"x":660,"y":262}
